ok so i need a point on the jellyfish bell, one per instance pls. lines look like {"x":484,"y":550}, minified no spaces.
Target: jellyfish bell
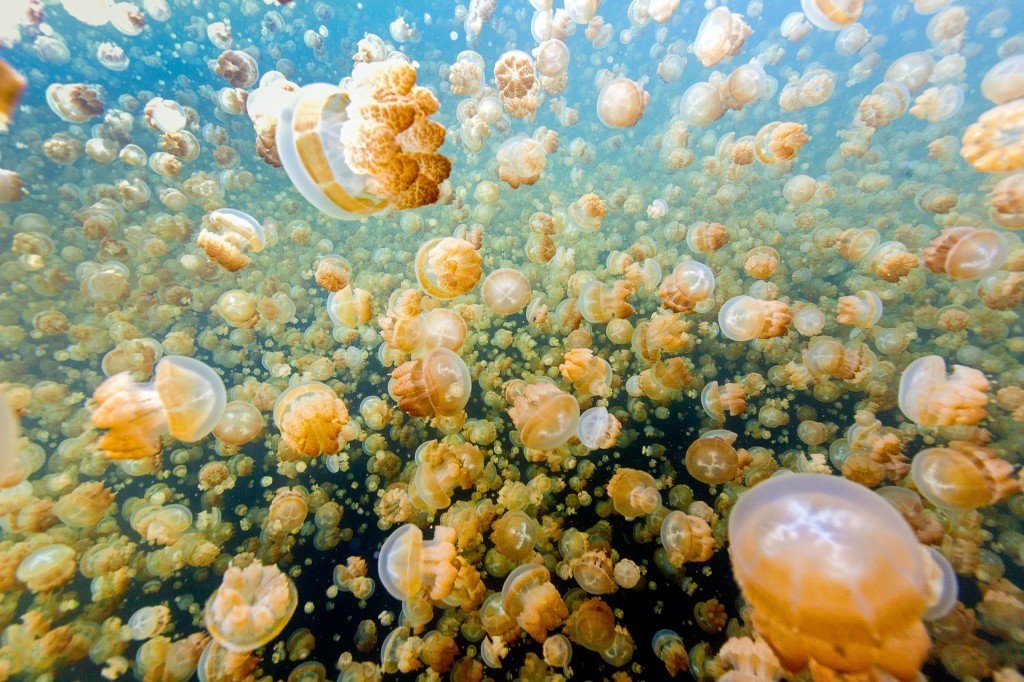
{"x":506,"y":291}
{"x":251,"y":607}
{"x":851,"y":39}
{"x":743,"y":318}
{"x":928,"y":397}
{"x":833,"y":573}
{"x":712,"y":460}
{"x":544,"y":415}
{"x":962,"y":476}
{"x":721,"y":35}
{"x":832,"y":15}
{"x":966,"y":253}
{"x":447,"y":267}
{"x":701,"y":104}
{"x":621,"y":103}
{"x":438,"y":383}
{"x":598,"y":428}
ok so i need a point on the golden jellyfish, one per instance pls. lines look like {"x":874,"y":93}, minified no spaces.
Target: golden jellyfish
{"x":598,"y":429}
{"x":993,"y":144}
{"x":557,"y":651}
{"x":350,"y":156}
{"x":589,"y":374}
{"x":436,"y":384}
{"x":349,"y":306}
{"x":799,"y":189}
{"x":928,"y":397}
{"x":704,"y":237}
{"x":938,"y":104}
{"x":251,"y":607}
{"x":621,"y":103}
{"x":833,"y":573}
{"x":588,"y":212}
{"x":467,"y":73}
{"x":186,"y":400}
{"x":778,"y":142}
{"x":12,"y":84}
{"x":761,"y":262}
{"x":718,"y":399}
{"x":506,"y":291}
{"x":712,"y":460}
{"x":448,"y":267}
{"x":521,"y":160}
{"x":528,"y":596}
{"x":887,"y":102}
{"x":633,"y":493}
{"x":743,"y":318}
{"x":966,"y":253}
{"x":47,"y":568}
{"x":287,"y":510}
{"x":701,"y":104}
{"x":745,"y":85}
{"x":599,"y":303}
{"x":690,"y":283}
{"x":85,"y":505}
{"x":241,"y":423}
{"x":441,"y":467}
{"x":410,"y":566}
{"x":75,"y":102}
{"x":593,"y":572}
{"x":686,"y":538}
{"x":443,"y":328}
{"x":668,"y":646}
{"x":514,"y":534}
{"x":1006,"y":202}
{"x":544,"y":415}
{"x":721,"y":35}
{"x":515,"y":77}
{"x":861,"y":310}
{"x":312,"y":419}
{"x":962,"y":476}
{"x":227,"y":234}
{"x":832,"y":15}
{"x":1004,"y":82}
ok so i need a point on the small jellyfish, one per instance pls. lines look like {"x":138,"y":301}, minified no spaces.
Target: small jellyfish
{"x":928,"y":397}
{"x":598,"y":429}
{"x":227,"y":234}
{"x":349,"y":307}
{"x":408,"y":564}
{"x":528,"y":596}
{"x":861,"y":310}
{"x":448,"y":267}
{"x":712,"y":460}
{"x":47,"y":568}
{"x":721,"y":35}
{"x":743,"y":318}
{"x":833,"y":574}
{"x":544,"y":415}
{"x":521,"y":160}
{"x":633,"y":493}
{"x":686,"y":538}
{"x":832,"y":15}
{"x":311,"y":419}
{"x":514,"y":535}
{"x":690,"y":283}
{"x":515,"y":76}
{"x":668,"y":646}
{"x":251,"y":607}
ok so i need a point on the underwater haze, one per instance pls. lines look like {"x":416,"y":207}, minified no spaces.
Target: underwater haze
{"x":511,"y":340}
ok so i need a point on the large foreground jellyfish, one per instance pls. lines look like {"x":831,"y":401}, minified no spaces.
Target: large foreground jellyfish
{"x":833,"y":573}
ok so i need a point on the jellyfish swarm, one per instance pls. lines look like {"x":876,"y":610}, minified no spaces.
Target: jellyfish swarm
{"x":227,"y":234}
{"x":930,"y":398}
{"x":356,"y":149}
{"x":436,"y":384}
{"x":544,"y":415}
{"x":251,"y":607}
{"x":186,"y":400}
{"x":833,"y":574}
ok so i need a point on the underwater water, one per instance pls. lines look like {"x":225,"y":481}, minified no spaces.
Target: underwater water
{"x":512,"y":339}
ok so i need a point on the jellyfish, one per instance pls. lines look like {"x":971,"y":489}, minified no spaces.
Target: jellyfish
{"x":962,"y":476}
{"x":350,"y":158}
{"x":251,"y":607}
{"x":862,"y":310}
{"x":1004,"y":82}
{"x":410,"y":566}
{"x":227,"y":234}
{"x":448,"y":267}
{"x":633,"y":493}
{"x":349,"y":306}
{"x":544,"y":416}
{"x":515,"y":76}
{"x":588,"y":212}
{"x":1006,"y":202}
{"x":442,"y":467}
{"x":778,"y":142}
{"x":185,"y":400}
{"x":311,"y":419}
{"x":690,"y":283}
{"x":668,"y":646}
{"x":621,"y":103}
{"x":75,"y":102}
{"x":930,"y":398}
{"x":506,"y":291}
{"x":436,"y":384}
{"x":718,"y":399}
{"x":966,"y":253}
{"x":514,"y":534}
{"x":701,"y":104}
{"x":990,"y":144}
{"x":721,"y":35}
{"x":712,"y":460}
{"x":833,"y":573}
{"x":589,"y":374}
{"x":521,"y":160}
{"x":529,"y":597}
{"x":598,"y":429}
{"x":12,"y":84}
{"x":743,"y":318}
{"x":832,"y":15}
{"x":47,"y":568}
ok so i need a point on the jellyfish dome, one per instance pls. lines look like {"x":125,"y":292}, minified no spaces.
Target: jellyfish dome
{"x":351,"y":157}
{"x":928,"y":397}
{"x":545,"y":416}
{"x":251,"y":607}
{"x":833,"y":573}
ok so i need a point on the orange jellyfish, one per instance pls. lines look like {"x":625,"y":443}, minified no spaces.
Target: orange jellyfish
{"x":832,"y":15}
{"x":743,"y":318}
{"x":690,"y":283}
{"x":529,"y":597}
{"x":544,"y":415}
{"x":633,"y":493}
{"x":686,"y":538}
{"x":311,"y":419}
{"x":506,"y":291}
{"x":448,"y":267}
{"x":718,"y":399}
{"x":598,"y":428}
{"x":712,"y":460}
{"x":993,"y":144}
{"x":514,"y":535}
{"x":963,"y":476}
{"x":966,"y":253}
{"x":621,"y":103}
{"x":833,"y":573}
{"x":251,"y":607}
{"x":408,"y":565}
{"x":186,"y":400}
{"x":721,"y":35}
{"x":930,"y":398}
{"x":436,"y":384}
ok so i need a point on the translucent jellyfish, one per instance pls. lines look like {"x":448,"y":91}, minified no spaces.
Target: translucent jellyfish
{"x":704,"y":237}
{"x":832,"y":15}
{"x":690,"y":283}
{"x":311,"y":419}
{"x":587,"y":212}
{"x":467,"y":73}
{"x":669,"y":647}
{"x":441,"y":467}
{"x":409,"y":566}
{"x":1006,"y":202}
{"x":349,"y":306}
{"x":557,"y":651}
{"x":851,"y":39}
{"x":506,"y":291}
{"x":593,"y":572}
{"x":992,"y":144}
{"x":686,"y":538}
{"x":514,"y":534}
{"x":721,"y":35}
{"x":589,"y":374}
{"x":833,"y":574}
{"x":552,"y":57}
{"x":761,"y":262}
{"x":448,"y":267}
{"x":529,"y":597}
{"x":701,"y":104}
{"x":349,"y":156}
{"x":521,"y":160}
{"x":544,"y":415}
{"x":621,"y":103}
{"x":962,"y":476}
{"x":966,"y":253}
{"x":515,"y":76}
{"x":718,"y":399}
{"x":186,"y":400}
{"x":288,"y":510}
{"x":47,"y":568}
{"x":861,"y":310}
{"x":227,"y":234}
{"x":938,"y":104}
{"x":712,"y":460}
{"x":598,"y":429}
{"x":633,"y":493}
{"x":743,"y":318}
{"x":795,"y":27}
{"x":148,"y":622}
{"x":436,"y":384}
{"x":778,"y":142}
{"x":1004,"y":82}
{"x":251,"y":607}
{"x":443,"y":328}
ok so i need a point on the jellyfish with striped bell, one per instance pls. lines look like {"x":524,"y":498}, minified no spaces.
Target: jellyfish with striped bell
{"x":351,"y":156}
{"x":833,"y":575}
{"x":251,"y":607}
{"x":186,"y":400}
